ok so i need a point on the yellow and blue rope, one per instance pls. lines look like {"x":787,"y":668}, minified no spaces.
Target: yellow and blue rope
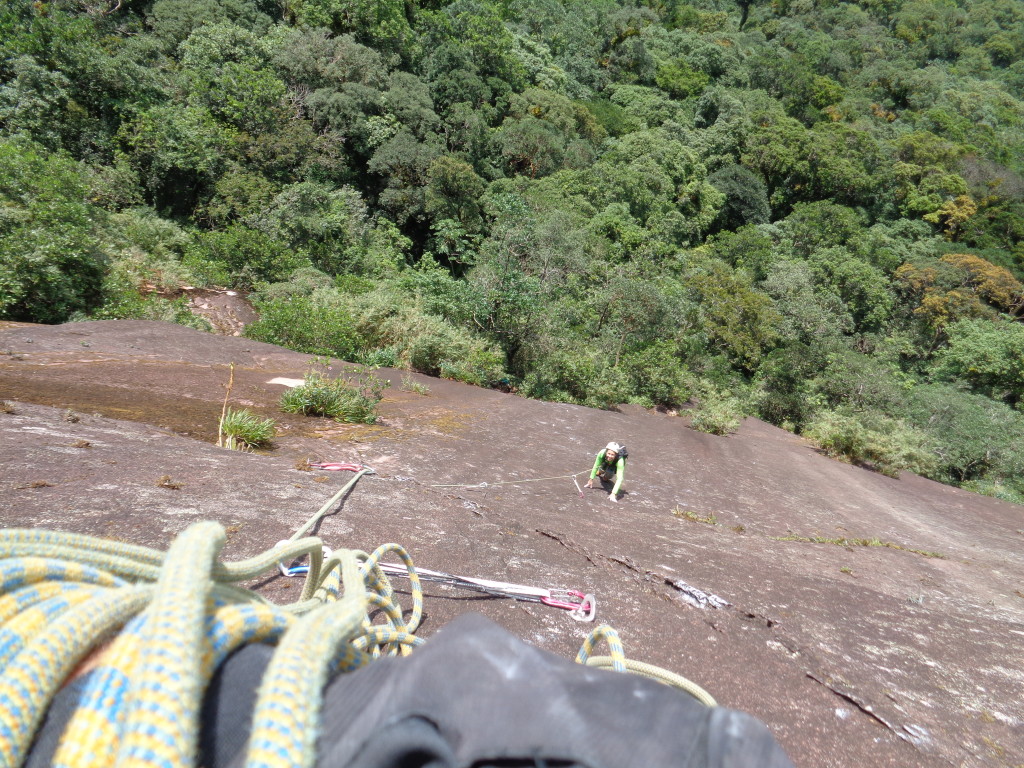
{"x":173,"y":618}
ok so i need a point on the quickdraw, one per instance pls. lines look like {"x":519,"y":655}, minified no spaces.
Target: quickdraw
{"x":581,"y":607}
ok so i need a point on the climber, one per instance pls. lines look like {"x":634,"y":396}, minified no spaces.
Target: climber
{"x":610,"y":463}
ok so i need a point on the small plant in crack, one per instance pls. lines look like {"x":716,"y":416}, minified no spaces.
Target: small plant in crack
{"x":697,"y":517}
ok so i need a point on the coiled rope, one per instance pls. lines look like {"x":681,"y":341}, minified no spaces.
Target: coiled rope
{"x":171,"y":618}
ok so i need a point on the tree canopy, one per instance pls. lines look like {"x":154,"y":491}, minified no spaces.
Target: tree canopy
{"x":811,"y":212}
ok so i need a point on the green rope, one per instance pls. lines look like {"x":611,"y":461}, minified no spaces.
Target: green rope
{"x":330,"y":503}
{"x":171,"y":618}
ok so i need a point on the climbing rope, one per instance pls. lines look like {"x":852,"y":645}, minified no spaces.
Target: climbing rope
{"x":514,"y":482}
{"x":173,"y":618}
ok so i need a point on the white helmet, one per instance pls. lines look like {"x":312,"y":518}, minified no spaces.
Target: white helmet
{"x":613,"y":447}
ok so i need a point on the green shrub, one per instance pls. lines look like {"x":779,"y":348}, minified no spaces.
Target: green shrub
{"x":51,"y":254}
{"x":388,"y":324}
{"x":240,"y":257}
{"x":997,"y":490}
{"x":975,"y":437}
{"x":145,"y":234}
{"x":409,"y":384}
{"x":353,"y":400}
{"x":380,"y":357}
{"x":316,"y":325}
{"x":576,"y":375}
{"x":839,"y":436}
{"x":122,"y":300}
{"x":304,"y":281}
{"x":656,"y":375}
{"x":717,"y":412}
{"x":889,"y":445}
{"x":243,"y":430}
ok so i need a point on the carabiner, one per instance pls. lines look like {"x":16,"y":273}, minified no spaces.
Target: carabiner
{"x":581,"y":613}
{"x":297,"y":570}
{"x":566,"y":594}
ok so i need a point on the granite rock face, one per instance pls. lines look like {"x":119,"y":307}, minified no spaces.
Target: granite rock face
{"x":868,"y":621}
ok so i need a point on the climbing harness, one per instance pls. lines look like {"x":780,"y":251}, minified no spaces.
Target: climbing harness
{"x":581,"y":607}
{"x":172,"y":617}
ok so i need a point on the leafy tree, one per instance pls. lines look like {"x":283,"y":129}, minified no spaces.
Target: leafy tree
{"x":509,"y":293}
{"x":227,"y":70}
{"x":654,"y":173}
{"x":845,"y":164}
{"x":953,"y":215}
{"x":931,"y":29}
{"x":656,"y":374}
{"x":955,"y":287}
{"x":776,"y":150}
{"x":614,"y":119}
{"x":992,"y":283}
{"x":974,"y":436}
{"x":66,"y":81}
{"x":783,"y":380}
{"x":331,"y":226}
{"x":859,"y":382}
{"x":338,"y":82}
{"x":888,"y":244}
{"x":632,"y":312}
{"x":625,"y":53}
{"x":172,"y":21}
{"x":746,"y":197}
{"x":51,"y":254}
{"x":454,"y":192}
{"x":408,"y":101}
{"x":472,"y":31}
{"x":863,"y":288}
{"x":178,"y":153}
{"x":34,"y":100}
{"x":437,"y":292}
{"x":924,"y":173}
{"x":681,"y":80}
{"x":404,"y":164}
{"x":243,"y":257}
{"x":739,"y":319}
{"x":987,"y":355}
{"x":649,"y":106}
{"x":379,"y":23}
{"x":936,"y":292}
{"x":750,"y":248}
{"x":531,"y":146}
{"x":810,"y":314}
{"x":822,"y":224}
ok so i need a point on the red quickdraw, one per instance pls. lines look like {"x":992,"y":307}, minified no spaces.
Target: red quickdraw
{"x":580,"y":606}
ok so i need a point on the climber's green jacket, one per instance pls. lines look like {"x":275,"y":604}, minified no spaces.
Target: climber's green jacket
{"x":605,"y":467}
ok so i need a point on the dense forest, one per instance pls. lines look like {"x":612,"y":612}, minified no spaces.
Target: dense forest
{"x":811,"y":211}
